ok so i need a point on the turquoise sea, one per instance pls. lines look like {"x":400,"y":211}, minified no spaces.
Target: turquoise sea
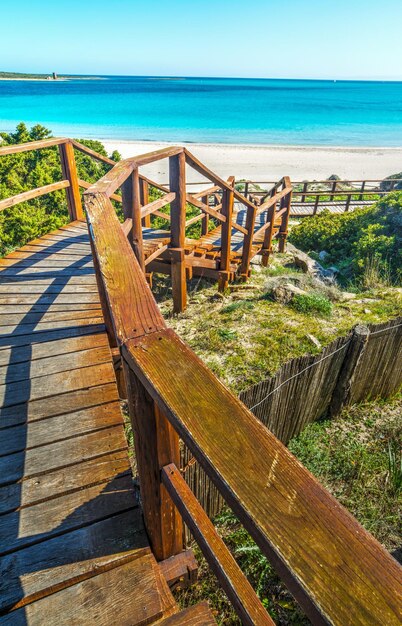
{"x":211,"y":110}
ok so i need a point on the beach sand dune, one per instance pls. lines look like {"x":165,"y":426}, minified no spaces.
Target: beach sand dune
{"x":269,"y":163}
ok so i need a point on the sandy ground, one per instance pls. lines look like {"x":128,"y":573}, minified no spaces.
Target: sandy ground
{"x":269,"y":163}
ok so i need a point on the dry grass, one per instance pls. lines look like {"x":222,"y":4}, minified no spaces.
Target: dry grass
{"x":244,"y":336}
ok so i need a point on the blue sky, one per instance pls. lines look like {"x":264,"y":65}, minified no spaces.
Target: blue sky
{"x":355,"y":39}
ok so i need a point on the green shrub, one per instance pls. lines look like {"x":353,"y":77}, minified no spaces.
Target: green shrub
{"x":354,"y":239}
{"x":28,"y":170}
{"x":312,"y":303}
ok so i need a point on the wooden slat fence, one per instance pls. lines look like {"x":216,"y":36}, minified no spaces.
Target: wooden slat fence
{"x":314,"y":382}
{"x":309,"y":387}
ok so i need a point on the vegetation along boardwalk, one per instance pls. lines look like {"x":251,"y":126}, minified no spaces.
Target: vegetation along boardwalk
{"x":77,"y":546}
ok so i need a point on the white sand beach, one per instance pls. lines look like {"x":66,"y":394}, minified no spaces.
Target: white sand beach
{"x":268,"y":163}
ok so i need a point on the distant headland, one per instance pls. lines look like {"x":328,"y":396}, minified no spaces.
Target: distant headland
{"x":47,"y":77}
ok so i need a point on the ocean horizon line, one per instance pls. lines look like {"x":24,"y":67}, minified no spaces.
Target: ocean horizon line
{"x":99,"y":75}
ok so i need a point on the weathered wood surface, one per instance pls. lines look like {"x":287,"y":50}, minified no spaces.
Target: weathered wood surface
{"x":337,"y":571}
{"x":239,"y":591}
{"x":73,"y":548}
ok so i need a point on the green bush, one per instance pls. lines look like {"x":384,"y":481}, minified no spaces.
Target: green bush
{"x":355,"y":239}
{"x":28,"y":170}
{"x":312,"y":303}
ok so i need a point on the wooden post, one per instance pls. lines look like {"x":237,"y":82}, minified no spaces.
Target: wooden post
{"x":266,"y":249}
{"x":248,"y":242}
{"x":246,"y":189}
{"x":132,"y":209}
{"x":226,"y":237}
{"x":347,"y":203}
{"x":144,"y":199}
{"x":341,"y":393}
{"x":205,"y":218}
{"x":177,"y":183}
{"x":69,"y":172}
{"x":156,"y":445}
{"x":362,"y":189}
{"x":303,"y":198}
{"x":283,"y":229}
{"x":317,"y":199}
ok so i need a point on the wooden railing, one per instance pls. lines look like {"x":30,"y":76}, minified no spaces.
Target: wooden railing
{"x":336,"y":570}
{"x":137,"y":209}
{"x":316,"y":194}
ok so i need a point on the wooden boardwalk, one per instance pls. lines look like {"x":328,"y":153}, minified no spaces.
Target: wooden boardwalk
{"x":305,"y":209}
{"x":73,"y":545}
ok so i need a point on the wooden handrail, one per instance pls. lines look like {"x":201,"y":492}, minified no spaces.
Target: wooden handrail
{"x":32,"y":145}
{"x":33,"y":193}
{"x":335,"y":569}
{"x":150,"y":208}
{"x":239,"y":591}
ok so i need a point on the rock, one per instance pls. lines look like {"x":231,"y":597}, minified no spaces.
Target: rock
{"x":285,"y":292}
{"x":314,"y":340}
{"x":347,"y":295}
{"x":366,"y":311}
{"x":312,"y":267}
{"x":323,"y":255}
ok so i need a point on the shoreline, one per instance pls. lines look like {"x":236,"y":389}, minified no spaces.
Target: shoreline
{"x":266,"y":162}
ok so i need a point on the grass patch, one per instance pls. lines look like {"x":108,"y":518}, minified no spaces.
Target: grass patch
{"x":244,"y":336}
{"x":312,"y":303}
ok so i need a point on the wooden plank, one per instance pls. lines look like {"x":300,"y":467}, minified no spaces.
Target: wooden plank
{"x":48,"y":386}
{"x":47,"y":308}
{"x":38,"y":272}
{"x":337,"y":571}
{"x":33,"y":193}
{"x":37,"y":461}
{"x":53,"y":316}
{"x":130,"y":301}
{"x":52,"y":429}
{"x":66,"y":298}
{"x":53,"y":364}
{"x":52,"y":247}
{"x":26,"y":329}
{"x":95,"y":155}
{"x":206,"y":208}
{"x":63,"y":481}
{"x":31,"y":145}
{"x":73,"y":401}
{"x":197,"y":615}
{"x":53,"y":348}
{"x":239,"y":591}
{"x":134,"y":593}
{"x":8,"y":342}
{"x":51,"y":518}
{"x":148,"y":209}
{"x":42,"y":569}
{"x":41,"y":252}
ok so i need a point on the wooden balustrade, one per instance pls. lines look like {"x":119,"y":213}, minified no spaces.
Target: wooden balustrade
{"x":334,"y":568}
{"x":137,"y":208}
